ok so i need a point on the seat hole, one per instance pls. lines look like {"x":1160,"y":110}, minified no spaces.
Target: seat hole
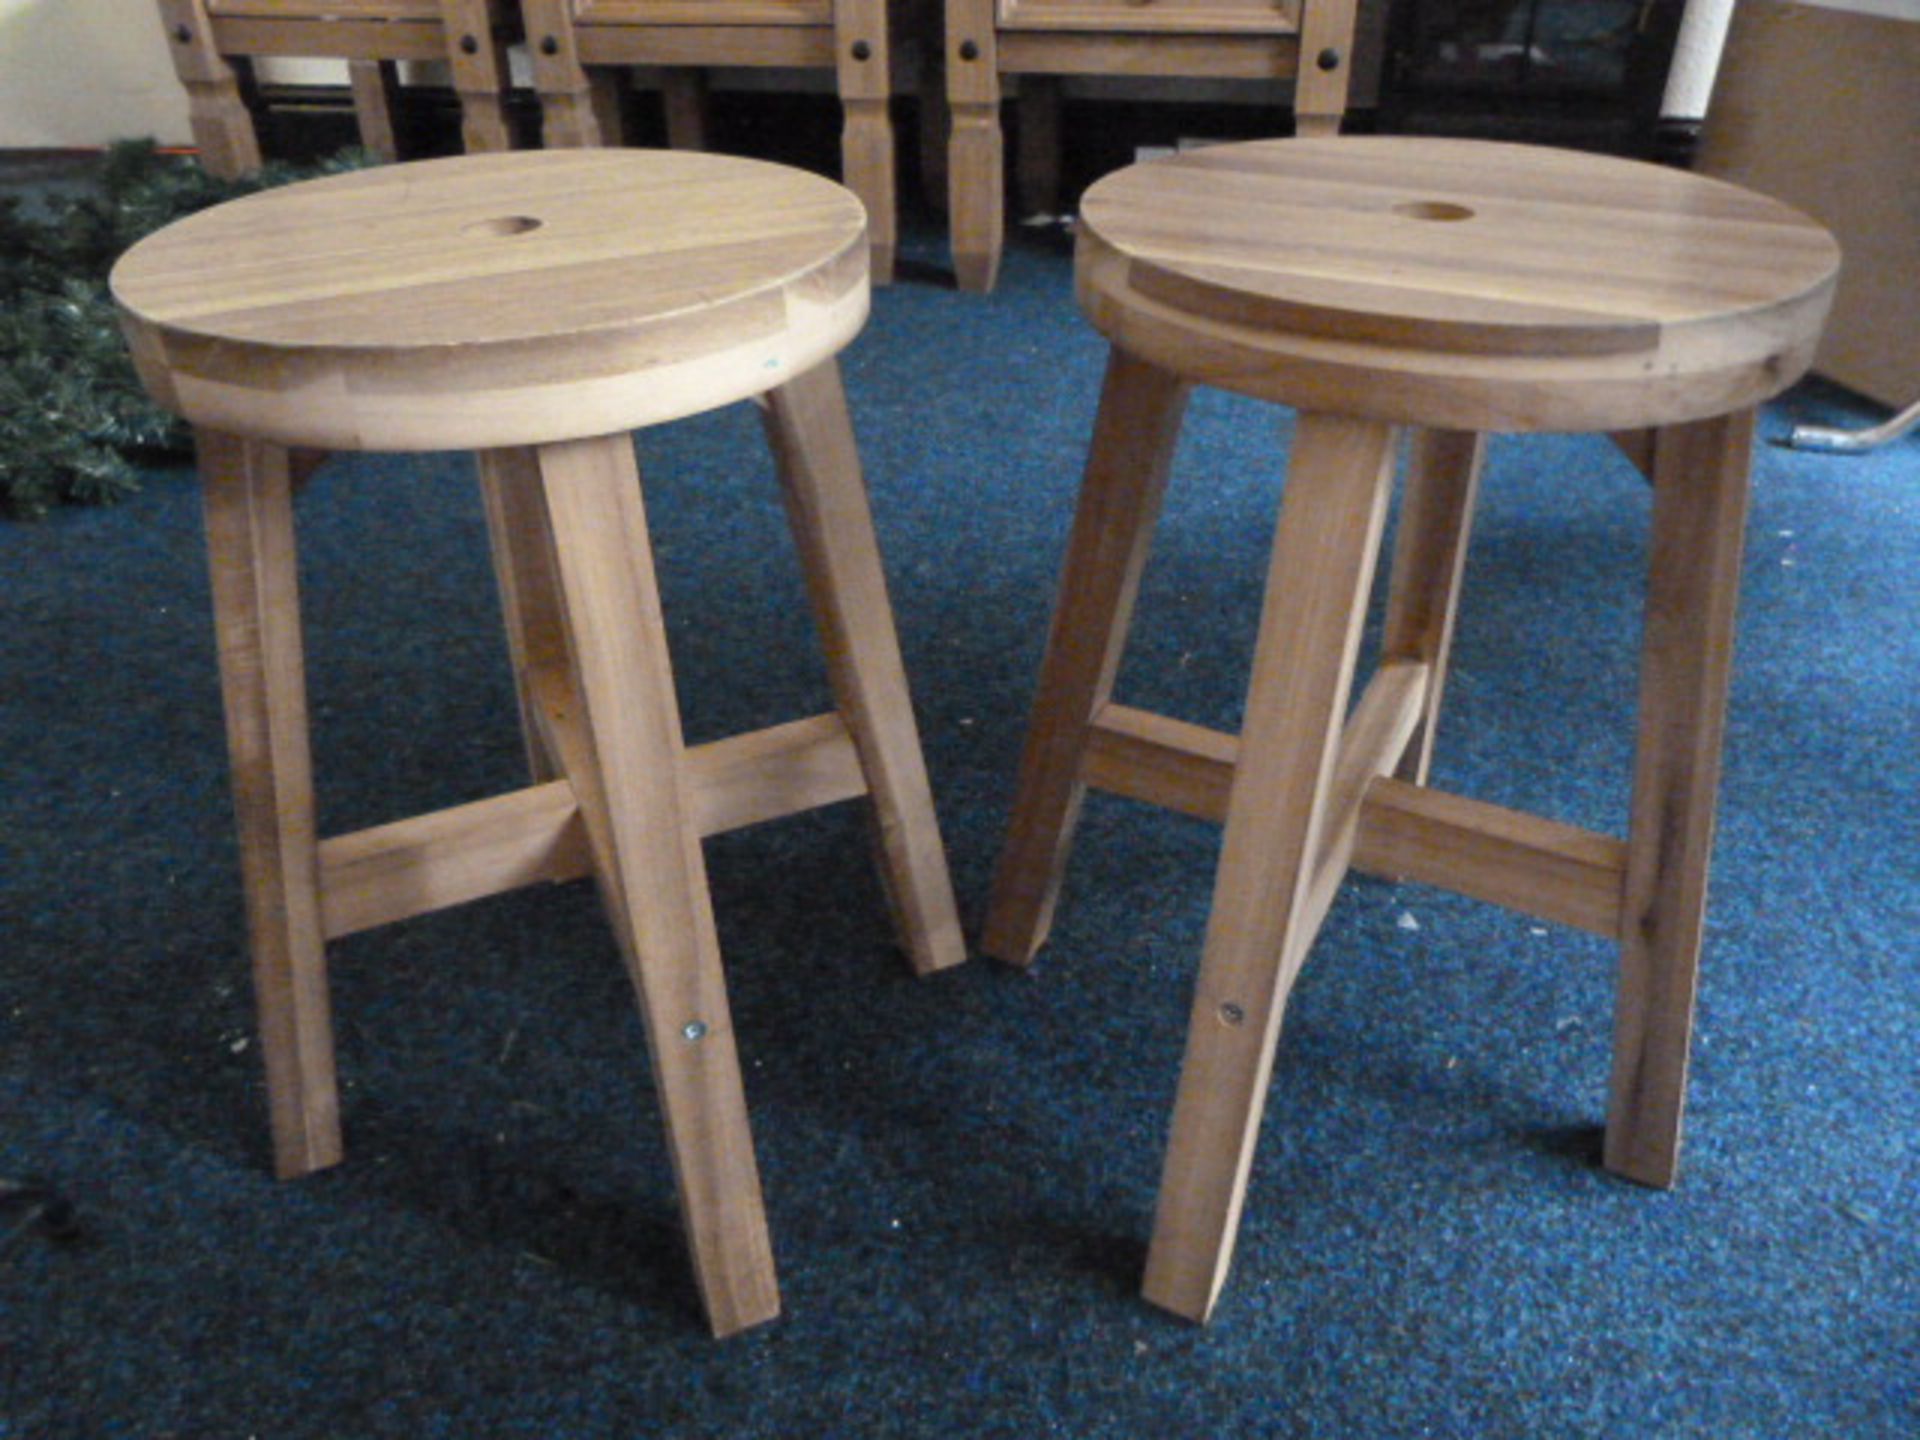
{"x":1433,"y":210}
{"x":503,"y":225}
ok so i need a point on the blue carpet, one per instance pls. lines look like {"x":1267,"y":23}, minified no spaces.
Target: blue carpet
{"x":960,"y":1172}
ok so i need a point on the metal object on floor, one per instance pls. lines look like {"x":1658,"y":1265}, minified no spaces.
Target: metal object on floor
{"x":1855,"y":442}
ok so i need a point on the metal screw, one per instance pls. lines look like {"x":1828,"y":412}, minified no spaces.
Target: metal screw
{"x":862,"y":50}
{"x":969,"y":50}
{"x":549,"y":46}
{"x":183,"y":34}
{"x":1231,"y":1014}
{"x":694,"y":1030}
{"x":1328,"y":59}
{"x":469,"y":45}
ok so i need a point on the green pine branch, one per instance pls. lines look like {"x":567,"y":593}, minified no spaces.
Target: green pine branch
{"x":73,"y":417}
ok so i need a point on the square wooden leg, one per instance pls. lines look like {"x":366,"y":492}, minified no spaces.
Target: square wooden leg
{"x":1338,"y":482}
{"x":529,"y":594}
{"x":569,"y":116}
{"x":1700,"y":477}
{"x":976,"y":173}
{"x":812,"y":439}
{"x":376,"y":96}
{"x":223,"y":130}
{"x":478,"y":63}
{"x":256,"y":611}
{"x":1429,"y":562}
{"x":632,"y":787}
{"x":1139,"y":422}
{"x":867,"y":160}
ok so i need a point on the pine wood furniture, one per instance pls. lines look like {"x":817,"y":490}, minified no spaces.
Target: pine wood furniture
{"x":535,"y":307}
{"x":578,"y":46}
{"x":1451,"y":288}
{"x":1307,"y":41}
{"x":214,"y":41}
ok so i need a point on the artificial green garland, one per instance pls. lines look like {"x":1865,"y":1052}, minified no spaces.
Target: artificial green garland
{"x":71,"y":411}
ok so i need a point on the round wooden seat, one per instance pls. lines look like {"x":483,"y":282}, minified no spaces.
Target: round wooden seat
{"x":1457,"y":283}
{"x":492,"y":300}
{"x":1455,"y":288}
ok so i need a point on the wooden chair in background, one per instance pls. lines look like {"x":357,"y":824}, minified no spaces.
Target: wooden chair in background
{"x":579,"y":48}
{"x":214,"y":42}
{"x":1040,"y":40}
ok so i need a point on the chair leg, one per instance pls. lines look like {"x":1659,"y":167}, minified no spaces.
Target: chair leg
{"x":1338,"y":483}
{"x":867,"y":161}
{"x":478,"y":62}
{"x":976,"y":177}
{"x":523,"y":567}
{"x":256,"y":612}
{"x":1037,"y":175}
{"x":1429,"y":560}
{"x":223,"y":129}
{"x":1140,"y":412}
{"x":567,"y":112}
{"x":683,"y":104}
{"x":607,"y":93}
{"x":1699,"y":519}
{"x":376,"y":92}
{"x":812,"y":439}
{"x":632,"y":789}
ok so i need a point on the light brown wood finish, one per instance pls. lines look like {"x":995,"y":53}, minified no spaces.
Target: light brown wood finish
{"x":1309,"y":41}
{"x":1458,"y":288}
{"x":256,"y":612}
{"x":376,"y":95}
{"x":547,"y":295}
{"x":1257,"y":933}
{"x":633,"y":785}
{"x":206,"y":37}
{"x":1693,"y":587}
{"x":1138,"y":424}
{"x":826,"y":499}
{"x":1429,"y":563}
{"x":510,"y":303}
{"x":522,"y":551}
{"x":570,"y":40}
{"x":1456,"y":284}
{"x":976,"y":180}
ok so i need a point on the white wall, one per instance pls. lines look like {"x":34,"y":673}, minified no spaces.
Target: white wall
{"x":84,"y":72}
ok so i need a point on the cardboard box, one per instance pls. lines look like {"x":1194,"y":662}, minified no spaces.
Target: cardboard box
{"x":1818,"y":104}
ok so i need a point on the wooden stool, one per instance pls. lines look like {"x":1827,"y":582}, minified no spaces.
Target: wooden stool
{"x":207,"y":36}
{"x":534,"y":307}
{"x":1040,"y":40}
{"x":577,"y":47}
{"x":1460,"y":288}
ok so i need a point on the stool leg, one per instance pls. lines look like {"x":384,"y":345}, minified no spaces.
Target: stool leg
{"x":1699,"y":521}
{"x":523,"y":567}
{"x":812,"y":439}
{"x":1429,"y":559}
{"x":1338,"y":483}
{"x":632,"y":792}
{"x":1139,"y":422}
{"x":256,"y":613}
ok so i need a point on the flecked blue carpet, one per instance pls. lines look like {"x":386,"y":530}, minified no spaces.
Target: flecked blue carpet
{"x":960,"y":1172}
